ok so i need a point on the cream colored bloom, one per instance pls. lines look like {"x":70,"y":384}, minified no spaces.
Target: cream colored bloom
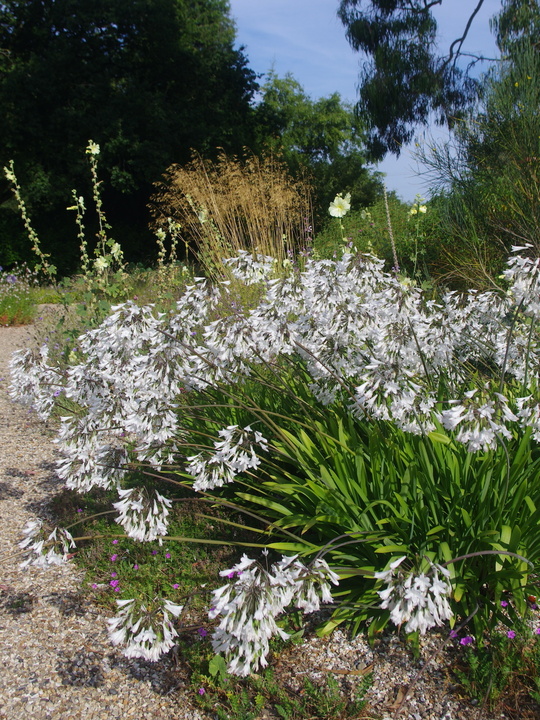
{"x":101,"y":264}
{"x":340,"y":206}
{"x":92,"y":148}
{"x":116,"y":251}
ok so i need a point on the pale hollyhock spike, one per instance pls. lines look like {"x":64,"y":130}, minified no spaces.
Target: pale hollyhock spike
{"x":340,"y":206}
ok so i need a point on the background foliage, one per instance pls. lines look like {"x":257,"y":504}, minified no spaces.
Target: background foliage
{"x":146,"y":79}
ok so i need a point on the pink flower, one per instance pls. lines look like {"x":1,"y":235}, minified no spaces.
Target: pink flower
{"x":135,"y":567}
{"x":537,"y":631}
{"x":115,"y":542}
{"x":114,"y":583}
{"x":467,"y":640}
{"x":114,"y":557}
{"x":511,"y":634}
{"x":167,"y":555}
{"x":114,"y":574}
{"x":176,"y":586}
{"x":504,"y":603}
{"x":201,"y":691}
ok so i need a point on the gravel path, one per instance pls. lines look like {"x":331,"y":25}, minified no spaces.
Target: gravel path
{"x":58,"y":663}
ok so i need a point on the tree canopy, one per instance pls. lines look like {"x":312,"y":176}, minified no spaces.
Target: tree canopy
{"x":149,"y":80}
{"x":408,"y":79}
{"x":320,"y":138}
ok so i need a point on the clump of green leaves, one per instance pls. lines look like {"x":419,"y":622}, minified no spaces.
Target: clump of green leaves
{"x":366,"y":230}
{"x":503,"y":671}
{"x":231,"y":698}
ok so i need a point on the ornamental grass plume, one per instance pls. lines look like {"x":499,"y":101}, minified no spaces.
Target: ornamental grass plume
{"x":233,"y":204}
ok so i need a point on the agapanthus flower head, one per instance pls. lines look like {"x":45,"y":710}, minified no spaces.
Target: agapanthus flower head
{"x":145,"y":629}
{"x":143,"y":517}
{"x":233,"y":454}
{"x":418,"y":599}
{"x":44,"y":549}
{"x":249,"y":604}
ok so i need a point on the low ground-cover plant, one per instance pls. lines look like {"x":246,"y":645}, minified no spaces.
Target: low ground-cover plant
{"x":503,"y":673}
{"x":383,"y":441}
{"x":119,"y":568}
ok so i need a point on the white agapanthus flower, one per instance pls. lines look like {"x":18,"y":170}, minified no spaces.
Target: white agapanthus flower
{"x":254,"y":597}
{"x":347,"y":320}
{"x":340,"y":206}
{"x":251,"y":268}
{"x":418,"y":600}
{"x":44,"y":550}
{"x":145,"y":630}
{"x":144,"y":518}
{"x":233,"y":454}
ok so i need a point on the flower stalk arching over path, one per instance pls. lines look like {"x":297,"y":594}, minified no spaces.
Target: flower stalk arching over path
{"x":53,"y":640}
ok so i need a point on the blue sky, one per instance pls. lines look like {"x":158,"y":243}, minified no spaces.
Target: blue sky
{"x":305,"y":38}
